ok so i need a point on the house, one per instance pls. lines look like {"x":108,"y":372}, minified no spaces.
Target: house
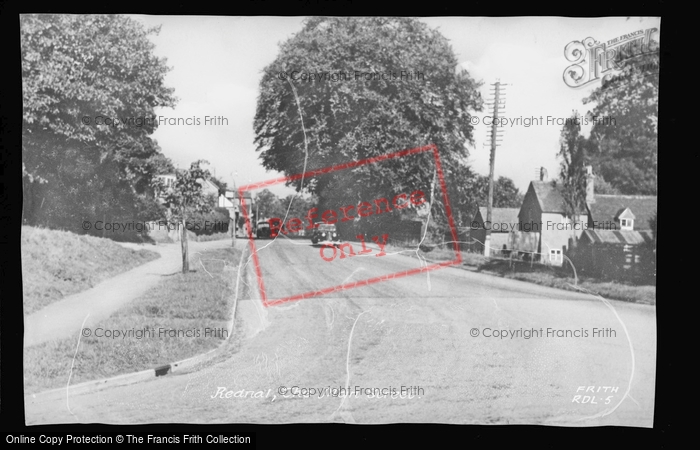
{"x":615,"y":254}
{"x":619,"y":242}
{"x":232,"y":202}
{"x":208,"y":186}
{"x":503,"y":221}
{"x":612,"y":227}
{"x":621,"y":212}
{"x":544,"y":228}
{"x":168,"y":179}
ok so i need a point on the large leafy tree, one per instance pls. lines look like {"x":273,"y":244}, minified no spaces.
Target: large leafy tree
{"x":82,"y":76}
{"x":267,"y":205}
{"x":468,"y":190}
{"x":505,"y":194}
{"x":625,"y":134}
{"x":381,"y":85}
{"x":298,"y":205}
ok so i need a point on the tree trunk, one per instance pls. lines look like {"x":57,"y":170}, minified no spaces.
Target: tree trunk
{"x":183,"y":243}
{"x":29,"y":202}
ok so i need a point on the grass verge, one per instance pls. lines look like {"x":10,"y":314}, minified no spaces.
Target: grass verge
{"x":213,"y":237}
{"x":539,"y":274}
{"x":189,"y":304}
{"x":58,"y":263}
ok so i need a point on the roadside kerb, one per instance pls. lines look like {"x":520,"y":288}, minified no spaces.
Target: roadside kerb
{"x":130,"y":378}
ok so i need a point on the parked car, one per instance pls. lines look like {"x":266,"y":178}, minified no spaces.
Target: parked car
{"x":325,"y":233}
{"x":263,"y":229}
{"x":275,"y":224}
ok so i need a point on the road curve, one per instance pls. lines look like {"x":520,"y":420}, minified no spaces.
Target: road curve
{"x":423,"y":348}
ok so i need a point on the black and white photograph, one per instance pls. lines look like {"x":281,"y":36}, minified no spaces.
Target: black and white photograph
{"x":338,"y":219}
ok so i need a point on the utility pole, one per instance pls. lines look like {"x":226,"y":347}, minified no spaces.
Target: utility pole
{"x":498,"y":103}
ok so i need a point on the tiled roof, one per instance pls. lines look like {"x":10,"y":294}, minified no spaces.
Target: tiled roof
{"x":618,"y":237}
{"x":608,"y":207}
{"x":549,"y":196}
{"x":501,"y":215}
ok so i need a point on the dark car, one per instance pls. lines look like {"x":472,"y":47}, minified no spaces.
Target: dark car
{"x":275,"y":225}
{"x":325,"y":232}
{"x":263,"y":230}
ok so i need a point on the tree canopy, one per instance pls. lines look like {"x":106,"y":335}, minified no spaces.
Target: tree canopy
{"x":572,"y":154}
{"x":468,"y":190}
{"x":624,"y":138}
{"x":365,"y":87}
{"x":185,"y":200}
{"x":90,"y":85}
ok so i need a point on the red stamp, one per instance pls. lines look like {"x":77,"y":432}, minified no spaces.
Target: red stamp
{"x":294,"y":224}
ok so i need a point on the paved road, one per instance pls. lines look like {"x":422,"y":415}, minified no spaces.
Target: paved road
{"x":65,"y":318}
{"x":413,"y":332}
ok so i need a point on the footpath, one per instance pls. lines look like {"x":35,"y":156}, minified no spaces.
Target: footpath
{"x":65,"y":318}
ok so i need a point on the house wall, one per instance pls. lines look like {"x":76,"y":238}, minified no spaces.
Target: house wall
{"x":523,"y":241}
{"x":498,"y":240}
{"x":210,"y":188}
{"x":478,"y":237}
{"x":225,"y":202}
{"x":613,"y":262}
{"x":557,"y":230}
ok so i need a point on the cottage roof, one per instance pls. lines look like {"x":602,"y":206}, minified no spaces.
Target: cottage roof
{"x":501,"y":215}
{"x":610,"y":207}
{"x":617,"y":237}
{"x":549,"y":196}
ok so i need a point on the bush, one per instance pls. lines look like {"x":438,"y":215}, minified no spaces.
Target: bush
{"x":207,"y":224}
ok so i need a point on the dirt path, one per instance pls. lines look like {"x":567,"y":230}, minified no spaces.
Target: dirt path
{"x":65,"y":318}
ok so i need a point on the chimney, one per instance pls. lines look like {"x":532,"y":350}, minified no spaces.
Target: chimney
{"x":543,"y":174}
{"x":590,"y":187}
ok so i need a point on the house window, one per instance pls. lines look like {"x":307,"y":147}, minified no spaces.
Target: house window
{"x":555,"y":255}
{"x":626,"y":224}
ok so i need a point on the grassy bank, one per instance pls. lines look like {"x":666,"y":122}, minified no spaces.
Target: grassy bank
{"x":539,"y":274}
{"x":58,"y":263}
{"x":188,"y":304}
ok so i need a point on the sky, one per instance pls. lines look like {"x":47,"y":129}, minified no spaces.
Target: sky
{"x":217,"y":64}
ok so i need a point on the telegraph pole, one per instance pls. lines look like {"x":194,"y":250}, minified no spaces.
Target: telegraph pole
{"x":498,"y":103}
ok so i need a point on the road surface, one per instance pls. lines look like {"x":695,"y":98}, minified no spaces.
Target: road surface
{"x":417,"y":349}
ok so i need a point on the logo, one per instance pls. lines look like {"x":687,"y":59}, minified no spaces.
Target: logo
{"x":593,"y":60}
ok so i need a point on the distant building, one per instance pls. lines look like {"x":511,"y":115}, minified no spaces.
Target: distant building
{"x":615,"y":254}
{"x":232,"y":202}
{"x":503,"y":221}
{"x":544,"y":228}
{"x":622,"y":212}
{"x":613,"y":232}
{"x":208,"y":186}
{"x":619,"y":242}
{"x":168,"y":179}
